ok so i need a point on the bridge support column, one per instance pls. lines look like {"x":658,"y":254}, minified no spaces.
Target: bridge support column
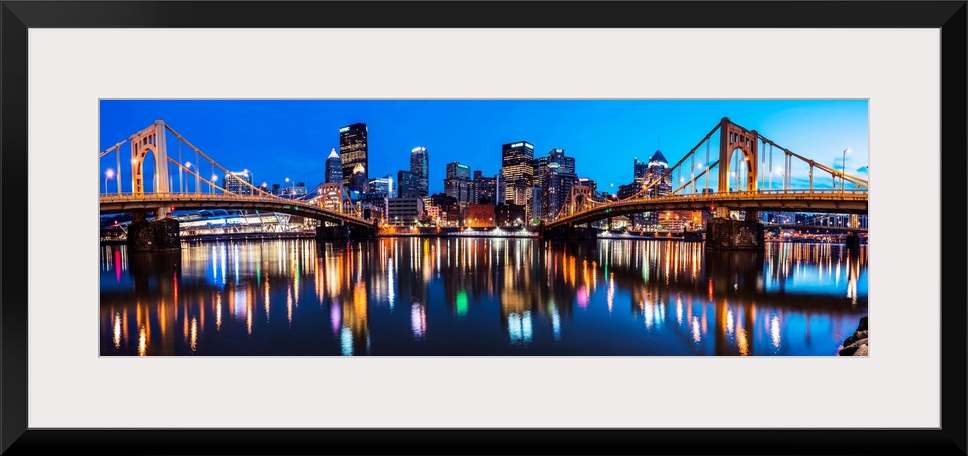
{"x":570,"y":233}
{"x":158,"y":235}
{"x":853,"y":242}
{"x":337,"y":232}
{"x":726,"y":234}
{"x":344,"y":232}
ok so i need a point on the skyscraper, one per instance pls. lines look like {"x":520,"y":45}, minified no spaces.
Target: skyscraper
{"x":567,"y":164}
{"x":556,"y":156}
{"x":382,"y":185}
{"x":408,"y":184}
{"x":556,"y":185}
{"x":474,"y":191}
{"x":500,"y":189}
{"x":334,"y":167}
{"x":517,"y":172}
{"x":457,"y":184}
{"x":553,"y":183}
{"x":639,"y":169}
{"x":458,"y":170}
{"x":655,"y":171}
{"x":353,"y":151}
{"x":233,"y":182}
{"x":420,"y":166}
{"x":358,"y":179}
{"x":484,"y":190}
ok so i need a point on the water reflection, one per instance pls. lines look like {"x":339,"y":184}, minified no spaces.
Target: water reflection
{"x":418,"y":320}
{"x":480,"y":297}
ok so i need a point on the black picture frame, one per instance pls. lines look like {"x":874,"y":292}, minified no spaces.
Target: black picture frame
{"x":17,"y":17}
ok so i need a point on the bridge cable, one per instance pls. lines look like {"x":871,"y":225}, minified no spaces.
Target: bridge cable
{"x":851,"y":178}
{"x":212,"y":183}
{"x":189,"y":144}
{"x":114,"y":147}
{"x":117,"y":154}
{"x":260,"y":192}
{"x":668,"y":174}
{"x":181,"y":182}
{"x":771,"y":166}
{"x":707,"y":166}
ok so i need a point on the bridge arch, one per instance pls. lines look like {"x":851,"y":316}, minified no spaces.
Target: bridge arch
{"x":150,"y":140}
{"x":736,"y":138}
{"x":739,"y":173}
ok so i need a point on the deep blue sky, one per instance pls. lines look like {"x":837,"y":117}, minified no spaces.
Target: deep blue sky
{"x":292,"y":138}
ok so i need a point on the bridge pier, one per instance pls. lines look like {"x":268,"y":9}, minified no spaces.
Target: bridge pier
{"x":727,"y":234}
{"x":344,"y":232}
{"x":853,"y":242}
{"x":158,"y":235}
{"x":570,"y":233}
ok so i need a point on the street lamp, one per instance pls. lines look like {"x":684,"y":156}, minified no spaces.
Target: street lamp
{"x":109,"y":174}
{"x":843,"y":176}
{"x":212,"y":189}
{"x":293,"y":187}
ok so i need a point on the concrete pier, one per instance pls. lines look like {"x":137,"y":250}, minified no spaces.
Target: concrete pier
{"x":853,"y":242}
{"x":569,"y":233}
{"x":154,"y":236}
{"x":727,"y":234}
{"x":344,"y":232}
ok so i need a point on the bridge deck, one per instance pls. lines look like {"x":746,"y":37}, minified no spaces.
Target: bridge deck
{"x":114,"y":203}
{"x":845,"y":202}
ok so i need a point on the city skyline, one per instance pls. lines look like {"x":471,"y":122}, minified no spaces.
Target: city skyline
{"x":602,"y":135}
{"x":564,"y":297}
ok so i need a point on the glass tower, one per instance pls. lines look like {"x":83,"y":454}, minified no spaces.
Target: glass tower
{"x":353,"y":150}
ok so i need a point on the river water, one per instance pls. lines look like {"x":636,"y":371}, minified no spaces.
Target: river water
{"x":480,"y":297}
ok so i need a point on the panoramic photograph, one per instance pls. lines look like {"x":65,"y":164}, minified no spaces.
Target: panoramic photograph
{"x":483,"y":227}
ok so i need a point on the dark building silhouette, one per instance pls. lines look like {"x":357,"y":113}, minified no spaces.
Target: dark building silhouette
{"x":408,"y":184}
{"x":509,"y":214}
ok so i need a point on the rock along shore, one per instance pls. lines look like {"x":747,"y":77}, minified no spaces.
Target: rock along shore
{"x":856,"y":345}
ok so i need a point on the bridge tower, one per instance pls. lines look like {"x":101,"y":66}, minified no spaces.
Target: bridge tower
{"x":721,"y":232}
{"x":736,"y":138}
{"x":151,"y":139}
{"x":162,"y":233}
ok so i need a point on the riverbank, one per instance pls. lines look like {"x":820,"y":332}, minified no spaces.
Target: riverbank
{"x":250,"y":236}
{"x":480,"y":234}
{"x":452,"y":233}
{"x":857,"y":343}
